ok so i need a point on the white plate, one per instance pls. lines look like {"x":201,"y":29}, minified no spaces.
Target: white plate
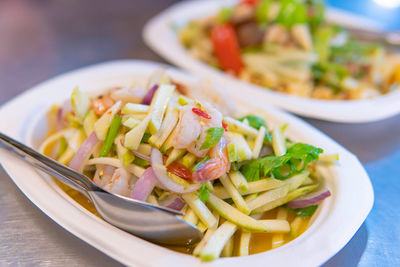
{"x":160,"y":34}
{"x":335,"y":223}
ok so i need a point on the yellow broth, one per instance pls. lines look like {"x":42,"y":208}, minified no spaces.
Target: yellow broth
{"x":259,"y":242}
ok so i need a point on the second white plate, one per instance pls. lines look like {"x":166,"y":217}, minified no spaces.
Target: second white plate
{"x":160,"y":34}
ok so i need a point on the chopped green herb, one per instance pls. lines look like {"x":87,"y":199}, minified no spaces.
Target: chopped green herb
{"x":204,"y":192}
{"x":213,"y":136}
{"x":254,"y":169}
{"x":225,"y":14}
{"x":294,"y":161}
{"x":145,"y":138}
{"x":234,"y":166}
{"x":291,"y":12}
{"x":141,"y":162}
{"x":306,"y":211}
{"x":112,"y":133}
{"x":305,"y":152}
{"x":256,"y":123}
{"x":262,"y":11}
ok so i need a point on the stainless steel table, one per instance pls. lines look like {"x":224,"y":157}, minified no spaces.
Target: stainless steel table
{"x":42,"y":38}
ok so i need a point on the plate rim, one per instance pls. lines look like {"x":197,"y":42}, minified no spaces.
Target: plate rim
{"x":349,"y":111}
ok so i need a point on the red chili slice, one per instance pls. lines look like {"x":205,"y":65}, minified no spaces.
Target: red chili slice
{"x":225,"y":126}
{"x":201,"y":113}
{"x":179,"y":170}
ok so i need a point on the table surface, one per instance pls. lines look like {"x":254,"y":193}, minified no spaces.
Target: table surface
{"x":43,"y":38}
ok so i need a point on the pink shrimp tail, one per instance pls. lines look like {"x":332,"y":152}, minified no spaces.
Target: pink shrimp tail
{"x":215,"y":167}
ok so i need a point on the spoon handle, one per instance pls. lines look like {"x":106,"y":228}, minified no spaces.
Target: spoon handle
{"x":48,"y":165}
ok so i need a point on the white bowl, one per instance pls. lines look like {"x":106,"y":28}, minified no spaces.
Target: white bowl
{"x":336,"y":221}
{"x":160,"y":34}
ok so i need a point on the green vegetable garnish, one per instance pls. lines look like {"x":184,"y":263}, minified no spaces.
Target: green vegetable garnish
{"x":316,"y":18}
{"x":234,"y":166}
{"x":112,"y":133}
{"x":200,"y":162}
{"x":145,"y":138}
{"x":212,"y":138}
{"x":322,"y":39}
{"x":204,"y":192}
{"x":352,"y":51}
{"x":127,"y":158}
{"x":256,"y":122}
{"x":225,"y":14}
{"x":262,"y":11}
{"x":141,"y":162}
{"x":294,"y":161}
{"x":291,"y":12}
{"x":306,"y":211}
{"x":253,"y":170}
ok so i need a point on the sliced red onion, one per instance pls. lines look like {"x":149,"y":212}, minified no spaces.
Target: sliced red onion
{"x":83,"y":153}
{"x":173,"y":202}
{"x":309,"y":199}
{"x":140,"y":155}
{"x":161,"y":173}
{"x":149,"y":96}
{"x":145,"y":185}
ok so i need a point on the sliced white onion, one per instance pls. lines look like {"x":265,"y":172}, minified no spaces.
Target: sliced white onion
{"x":309,"y":199}
{"x":161,"y":173}
{"x":145,"y":185}
{"x":83,"y":153}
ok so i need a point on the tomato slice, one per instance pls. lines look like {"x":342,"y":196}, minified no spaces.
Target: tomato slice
{"x":249,"y":2}
{"x":226,"y":48}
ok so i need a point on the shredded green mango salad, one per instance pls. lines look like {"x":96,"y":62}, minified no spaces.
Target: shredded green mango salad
{"x":288,"y":46}
{"x":158,"y":145}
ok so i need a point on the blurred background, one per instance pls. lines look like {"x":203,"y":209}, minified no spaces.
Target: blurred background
{"x":43,"y":38}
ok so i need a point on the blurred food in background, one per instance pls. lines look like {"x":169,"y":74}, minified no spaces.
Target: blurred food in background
{"x":288,"y":46}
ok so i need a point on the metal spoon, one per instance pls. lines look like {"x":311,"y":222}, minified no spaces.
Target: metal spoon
{"x":154,"y":223}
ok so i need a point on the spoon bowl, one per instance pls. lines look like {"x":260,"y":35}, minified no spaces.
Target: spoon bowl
{"x":156,"y":224}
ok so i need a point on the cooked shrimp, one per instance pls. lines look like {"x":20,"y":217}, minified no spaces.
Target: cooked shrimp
{"x":215,"y":167}
{"x":188,"y":128}
{"x":101,"y":104}
{"x":103,"y":175}
{"x":193,"y":122}
{"x":129,"y":94}
{"x":119,"y":183}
